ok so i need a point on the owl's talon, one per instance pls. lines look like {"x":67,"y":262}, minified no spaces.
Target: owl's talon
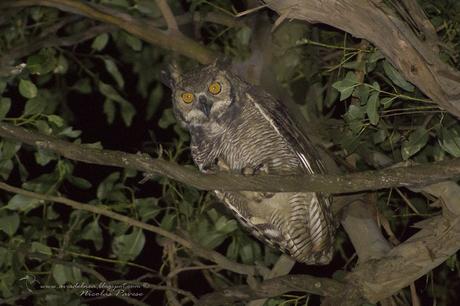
{"x":223,"y":166}
{"x":261,"y":168}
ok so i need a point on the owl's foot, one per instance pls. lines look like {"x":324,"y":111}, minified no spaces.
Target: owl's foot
{"x":222,"y":165}
{"x":249,"y":171}
{"x":261,"y":168}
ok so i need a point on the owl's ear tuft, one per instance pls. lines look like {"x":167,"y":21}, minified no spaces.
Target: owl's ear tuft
{"x":222,"y":62}
{"x":170,"y":76}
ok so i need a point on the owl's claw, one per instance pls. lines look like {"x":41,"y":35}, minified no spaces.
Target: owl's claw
{"x":261,"y":168}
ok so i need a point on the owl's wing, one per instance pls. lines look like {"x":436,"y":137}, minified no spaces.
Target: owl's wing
{"x":317,"y":214}
{"x":276,"y":113}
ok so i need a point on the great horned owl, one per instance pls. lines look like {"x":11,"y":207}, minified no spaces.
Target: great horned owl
{"x":237,"y":127}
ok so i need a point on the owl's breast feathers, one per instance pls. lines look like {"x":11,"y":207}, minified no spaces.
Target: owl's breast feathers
{"x":264,"y":137}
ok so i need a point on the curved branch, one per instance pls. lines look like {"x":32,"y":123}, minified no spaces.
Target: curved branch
{"x":274,"y":287}
{"x":219,"y":259}
{"x":419,"y":175}
{"x":139,"y":27}
{"x":374,"y":21}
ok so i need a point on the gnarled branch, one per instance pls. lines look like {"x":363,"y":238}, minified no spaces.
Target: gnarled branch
{"x":142,"y":28}
{"x":419,"y":175}
{"x":374,"y":21}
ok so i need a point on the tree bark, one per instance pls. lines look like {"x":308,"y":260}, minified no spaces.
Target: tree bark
{"x":417,"y":59}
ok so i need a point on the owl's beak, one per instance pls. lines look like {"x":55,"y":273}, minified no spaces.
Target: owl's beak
{"x":205,"y":105}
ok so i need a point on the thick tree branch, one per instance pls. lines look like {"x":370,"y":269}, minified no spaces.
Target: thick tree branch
{"x":374,"y":21}
{"x":274,"y":287}
{"x":219,"y":259}
{"x":419,"y":175}
{"x":139,"y":27}
{"x":372,"y":281}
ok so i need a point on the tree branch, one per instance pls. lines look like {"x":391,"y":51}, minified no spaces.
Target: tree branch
{"x":47,"y":40}
{"x":418,"y":175}
{"x":274,"y":287}
{"x":211,"y":255}
{"x":167,"y":15}
{"x":139,"y":27}
{"x":374,"y":21}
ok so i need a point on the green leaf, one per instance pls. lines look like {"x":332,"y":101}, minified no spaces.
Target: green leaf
{"x":154,"y":101}
{"x":127,"y":113}
{"x":70,"y":132}
{"x":109,"y":110}
{"x":132,"y":41}
{"x":93,"y":232}
{"x":27,"y":89}
{"x":63,"y":274}
{"x":127,"y":110}
{"x":375,"y":56}
{"x":42,"y":63}
{"x":232,"y":250}
{"x":79,"y":182}
{"x":450,"y":141}
{"x":354,"y":117}
{"x":34,"y":106}
{"x":107,"y":185}
{"x":167,"y":118}
{"x":396,"y":77}
{"x":58,"y":121}
{"x":62,"y":65}
{"x":185,"y":208}
{"x":43,"y":127}
{"x":416,"y":141}
{"x":8,"y":149}
{"x":43,"y":183}
{"x":6,"y":166}
{"x":147,"y":208}
{"x":379,"y":136}
{"x":9,"y":224}
{"x":346,"y":86}
{"x":362,"y":92}
{"x":247,"y":253}
{"x":213,"y":240}
{"x":43,"y":157}
{"x":168,"y":222}
{"x":41,"y":248}
{"x":83,"y":86}
{"x":113,"y":70}
{"x":21,"y":203}
{"x":386,"y":102}
{"x":5,"y":105}
{"x":128,"y":247}
{"x":372,"y":108}
{"x":100,"y":42}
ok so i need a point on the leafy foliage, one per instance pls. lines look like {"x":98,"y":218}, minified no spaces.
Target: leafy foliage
{"x":110,"y":83}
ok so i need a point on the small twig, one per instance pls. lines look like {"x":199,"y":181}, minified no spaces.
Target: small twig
{"x":167,"y":15}
{"x":274,"y":287}
{"x":251,"y":10}
{"x":140,"y":27}
{"x":219,"y":259}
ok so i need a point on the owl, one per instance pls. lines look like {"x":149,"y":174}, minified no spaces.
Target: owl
{"x":240,"y":128}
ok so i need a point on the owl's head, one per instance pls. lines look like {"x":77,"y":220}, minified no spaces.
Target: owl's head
{"x":201,"y":96}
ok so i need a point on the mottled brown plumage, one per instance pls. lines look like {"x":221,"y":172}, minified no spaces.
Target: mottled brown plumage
{"x":240,"y":128}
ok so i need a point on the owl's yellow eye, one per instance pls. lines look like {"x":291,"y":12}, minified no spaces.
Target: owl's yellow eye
{"x":214,"y":88}
{"x":187,"y":97}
